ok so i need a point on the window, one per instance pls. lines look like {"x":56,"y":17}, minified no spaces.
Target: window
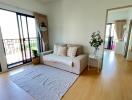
{"x":19,"y":37}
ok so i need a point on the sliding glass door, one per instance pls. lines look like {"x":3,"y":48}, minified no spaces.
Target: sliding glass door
{"x":28,"y":36}
{"x":10,"y":34}
{"x":19,"y":37}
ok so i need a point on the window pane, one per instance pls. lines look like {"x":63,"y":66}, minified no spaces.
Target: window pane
{"x":8,"y":25}
{"x":32,"y":33}
{"x":31,"y":27}
{"x":24,"y":26}
{"x":9,"y":28}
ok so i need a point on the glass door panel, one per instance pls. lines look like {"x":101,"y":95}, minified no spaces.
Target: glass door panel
{"x":32,"y":34}
{"x":19,"y":37}
{"x":10,"y":34}
{"x":26,"y":37}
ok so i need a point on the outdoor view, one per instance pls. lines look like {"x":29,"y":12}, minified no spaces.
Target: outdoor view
{"x":19,"y":36}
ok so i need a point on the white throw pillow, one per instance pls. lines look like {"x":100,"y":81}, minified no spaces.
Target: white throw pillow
{"x":56,"y":48}
{"x":71,"y":52}
{"x":62,"y":50}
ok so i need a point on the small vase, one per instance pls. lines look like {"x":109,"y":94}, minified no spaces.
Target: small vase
{"x":96,"y":51}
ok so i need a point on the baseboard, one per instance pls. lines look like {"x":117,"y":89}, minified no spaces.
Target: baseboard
{"x":19,"y":66}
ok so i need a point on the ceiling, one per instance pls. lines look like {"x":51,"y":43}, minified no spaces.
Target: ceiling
{"x":47,"y":1}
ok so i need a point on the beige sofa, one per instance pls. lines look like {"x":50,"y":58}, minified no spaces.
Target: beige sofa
{"x":75,"y":65}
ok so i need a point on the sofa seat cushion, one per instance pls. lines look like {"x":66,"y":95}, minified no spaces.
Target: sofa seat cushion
{"x":61,"y":59}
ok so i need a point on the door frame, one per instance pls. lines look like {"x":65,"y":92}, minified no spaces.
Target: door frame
{"x":106,"y":18}
{"x":128,"y":38}
{"x":22,"y":38}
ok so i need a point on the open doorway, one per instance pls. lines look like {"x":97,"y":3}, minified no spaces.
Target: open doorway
{"x":118,"y":32}
{"x":111,"y":37}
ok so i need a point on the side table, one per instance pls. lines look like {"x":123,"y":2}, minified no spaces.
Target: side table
{"x":94,"y":61}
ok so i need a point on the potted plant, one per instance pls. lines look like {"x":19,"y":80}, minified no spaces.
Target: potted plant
{"x":96,"y":41}
{"x":36,"y":58}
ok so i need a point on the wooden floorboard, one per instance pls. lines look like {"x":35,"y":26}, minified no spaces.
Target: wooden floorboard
{"x":113,"y":83}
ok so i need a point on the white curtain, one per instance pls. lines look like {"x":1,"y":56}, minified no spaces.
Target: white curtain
{"x":119,"y":27}
{"x":2,"y":54}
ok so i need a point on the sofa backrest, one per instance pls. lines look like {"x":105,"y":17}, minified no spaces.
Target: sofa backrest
{"x":79,"y":50}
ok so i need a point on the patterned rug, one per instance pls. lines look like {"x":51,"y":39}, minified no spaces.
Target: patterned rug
{"x":43,"y":82}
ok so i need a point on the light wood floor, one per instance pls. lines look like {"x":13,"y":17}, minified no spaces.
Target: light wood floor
{"x":113,"y":83}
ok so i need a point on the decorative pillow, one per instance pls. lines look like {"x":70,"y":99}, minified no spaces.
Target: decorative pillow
{"x":71,"y":52}
{"x":62,"y":51}
{"x":79,"y":48}
{"x":56,"y":47}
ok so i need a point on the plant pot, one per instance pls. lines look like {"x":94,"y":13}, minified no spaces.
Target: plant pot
{"x":36,"y":60}
{"x":96,"y":51}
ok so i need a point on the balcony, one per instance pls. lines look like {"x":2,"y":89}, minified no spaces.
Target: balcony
{"x":18,"y":50}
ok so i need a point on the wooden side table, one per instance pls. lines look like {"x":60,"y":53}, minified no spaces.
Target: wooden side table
{"x":94,"y":61}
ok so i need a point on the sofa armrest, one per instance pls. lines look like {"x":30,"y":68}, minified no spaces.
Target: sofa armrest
{"x":80,"y":57}
{"x":81,"y":62}
{"x":44,"y":53}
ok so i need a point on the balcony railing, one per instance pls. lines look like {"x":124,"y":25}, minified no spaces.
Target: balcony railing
{"x":15,"y":47}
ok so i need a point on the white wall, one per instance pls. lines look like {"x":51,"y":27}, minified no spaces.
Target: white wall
{"x":18,"y":5}
{"x":23,"y":6}
{"x":120,"y":48}
{"x":118,"y":14}
{"x":73,"y":21}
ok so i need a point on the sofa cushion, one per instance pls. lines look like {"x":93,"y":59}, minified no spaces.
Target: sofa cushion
{"x":79,"y":48}
{"x":62,"y":51}
{"x":56,"y":47}
{"x":61,"y":59}
{"x":71,"y":52}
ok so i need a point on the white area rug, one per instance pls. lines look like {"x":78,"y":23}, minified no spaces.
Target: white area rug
{"x":43,"y":82}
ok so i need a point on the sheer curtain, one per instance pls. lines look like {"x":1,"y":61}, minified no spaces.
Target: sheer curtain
{"x":119,"y":27}
{"x":3,"y":62}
